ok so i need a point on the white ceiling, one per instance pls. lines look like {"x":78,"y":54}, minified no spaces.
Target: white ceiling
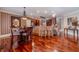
{"x":41,"y":11}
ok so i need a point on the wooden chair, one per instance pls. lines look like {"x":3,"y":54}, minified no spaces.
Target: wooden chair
{"x":26,"y":34}
{"x":49,"y":31}
{"x":42,"y":31}
{"x":14,"y":37}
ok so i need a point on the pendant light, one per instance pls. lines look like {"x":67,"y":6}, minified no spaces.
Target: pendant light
{"x":24,"y":14}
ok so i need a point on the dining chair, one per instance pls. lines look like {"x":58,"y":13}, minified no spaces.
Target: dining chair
{"x":56,"y":30}
{"x":49,"y":31}
{"x":42,"y":31}
{"x":14,"y":37}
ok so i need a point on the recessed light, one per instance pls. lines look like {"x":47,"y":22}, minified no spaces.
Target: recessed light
{"x":54,"y":15}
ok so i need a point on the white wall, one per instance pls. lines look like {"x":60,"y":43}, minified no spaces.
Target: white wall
{"x":71,"y":14}
{"x":60,"y":22}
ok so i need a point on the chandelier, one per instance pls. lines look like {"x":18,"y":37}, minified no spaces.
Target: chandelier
{"x":24,"y":14}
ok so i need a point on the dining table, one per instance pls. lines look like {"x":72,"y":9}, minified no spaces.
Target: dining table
{"x":23,"y":35}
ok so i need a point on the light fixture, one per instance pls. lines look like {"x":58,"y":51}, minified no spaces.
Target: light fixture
{"x":24,"y":15}
{"x":54,"y":15}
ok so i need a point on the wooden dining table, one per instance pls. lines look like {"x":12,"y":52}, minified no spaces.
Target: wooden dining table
{"x":24,"y":35}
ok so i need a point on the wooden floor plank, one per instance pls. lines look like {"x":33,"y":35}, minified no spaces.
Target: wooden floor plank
{"x":55,"y":43}
{"x":51,"y":44}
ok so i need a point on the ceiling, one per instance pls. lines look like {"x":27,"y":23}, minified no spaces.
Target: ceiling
{"x":41,"y":11}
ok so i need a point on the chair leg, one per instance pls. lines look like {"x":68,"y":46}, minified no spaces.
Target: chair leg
{"x":48,"y":33}
{"x":40,"y":33}
{"x":45,"y":33}
{"x":51,"y":33}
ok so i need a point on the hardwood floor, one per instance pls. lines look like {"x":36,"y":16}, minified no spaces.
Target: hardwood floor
{"x":49,"y":44}
{"x":54,"y":44}
{"x":27,"y":47}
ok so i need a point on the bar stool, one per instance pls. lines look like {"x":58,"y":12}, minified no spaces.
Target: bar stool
{"x":49,"y":31}
{"x":42,"y":31}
